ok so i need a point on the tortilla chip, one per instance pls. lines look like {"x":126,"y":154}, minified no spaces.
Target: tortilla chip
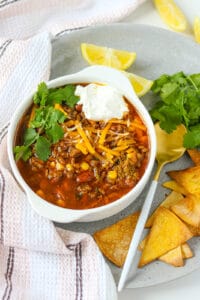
{"x":174,"y":186}
{"x":188,"y":178}
{"x":167,"y":233}
{"x":188,"y":209}
{"x":186,"y":251}
{"x":114,"y":240}
{"x":171,"y":199}
{"x":174,"y":257}
{"x":195,"y":230}
{"x":142,"y":243}
{"x":195,"y":156}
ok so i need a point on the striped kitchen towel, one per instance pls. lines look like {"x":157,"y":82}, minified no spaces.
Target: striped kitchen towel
{"x":24,"y":18}
{"x":38,"y":260}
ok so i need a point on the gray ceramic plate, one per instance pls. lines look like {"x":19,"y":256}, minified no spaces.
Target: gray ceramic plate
{"x":158,"y":51}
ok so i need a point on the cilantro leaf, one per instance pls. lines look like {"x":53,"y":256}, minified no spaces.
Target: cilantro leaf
{"x":168,"y":117}
{"x":42,"y":148}
{"x":169,"y":90}
{"x":55,"y":133}
{"x":30,"y":136}
{"x":158,"y":83}
{"x":72,"y":101}
{"x":56,"y":116}
{"x":41,"y":95}
{"x":56,"y":96}
{"x":63,"y":94}
{"x":46,"y":116}
{"x":179,"y":78}
{"x":23,"y":152}
{"x":39,"y":120}
{"x":195,"y":80}
{"x":46,"y":121}
{"x":192,"y":137}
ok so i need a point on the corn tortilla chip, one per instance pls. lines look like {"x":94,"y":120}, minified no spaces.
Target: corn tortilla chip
{"x":114,"y":240}
{"x":186,"y":251}
{"x":188,"y":209}
{"x":188,"y":178}
{"x":142,"y":243}
{"x":195,"y":230}
{"x":195,"y":156}
{"x":174,"y":257}
{"x":171,"y":199}
{"x":174,"y":186}
{"x":167,"y":233}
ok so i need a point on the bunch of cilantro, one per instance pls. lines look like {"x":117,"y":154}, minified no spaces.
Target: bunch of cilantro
{"x":45,"y":128}
{"x":178,"y":103}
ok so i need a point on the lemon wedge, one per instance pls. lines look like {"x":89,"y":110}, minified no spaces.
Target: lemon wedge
{"x":171,"y":14}
{"x":141,"y":85}
{"x":196,"y":29}
{"x":97,"y":55}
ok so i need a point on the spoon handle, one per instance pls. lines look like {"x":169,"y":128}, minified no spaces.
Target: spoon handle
{"x":137,"y":235}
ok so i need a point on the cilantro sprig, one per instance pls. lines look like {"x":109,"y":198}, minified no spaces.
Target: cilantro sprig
{"x":45,"y":129}
{"x":178,"y":103}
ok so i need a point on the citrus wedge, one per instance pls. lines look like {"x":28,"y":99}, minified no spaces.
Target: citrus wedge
{"x":196,"y":29}
{"x":97,"y":55}
{"x":171,"y":14}
{"x":141,"y":85}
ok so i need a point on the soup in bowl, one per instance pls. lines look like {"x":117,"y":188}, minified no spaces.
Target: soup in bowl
{"x":82,"y":146}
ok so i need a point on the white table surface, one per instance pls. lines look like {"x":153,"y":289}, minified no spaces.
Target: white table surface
{"x":187,"y":287}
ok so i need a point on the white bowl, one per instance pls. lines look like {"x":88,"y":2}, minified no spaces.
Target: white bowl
{"x":91,"y":74}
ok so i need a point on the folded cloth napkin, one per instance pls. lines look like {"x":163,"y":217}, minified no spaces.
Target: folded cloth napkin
{"x":38,"y":260}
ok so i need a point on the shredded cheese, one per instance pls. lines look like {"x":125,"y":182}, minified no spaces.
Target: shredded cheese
{"x":88,"y":139}
{"x":93,"y":130}
{"x":84,"y":137}
{"x":81,"y":146}
{"x":110,"y":151}
{"x":109,"y":157}
{"x":118,"y":121}
{"x":121,"y":148}
{"x":125,"y":142}
{"x":104,"y":133}
{"x":59,"y":107}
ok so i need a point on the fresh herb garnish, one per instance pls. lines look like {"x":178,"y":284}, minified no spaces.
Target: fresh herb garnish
{"x":23,"y":152}
{"x":44,"y":128}
{"x":63,"y":95}
{"x":179,"y":103}
{"x":41,"y":95}
{"x":42,"y":148}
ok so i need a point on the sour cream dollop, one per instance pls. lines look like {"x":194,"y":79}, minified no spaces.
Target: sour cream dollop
{"x":101,"y":102}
